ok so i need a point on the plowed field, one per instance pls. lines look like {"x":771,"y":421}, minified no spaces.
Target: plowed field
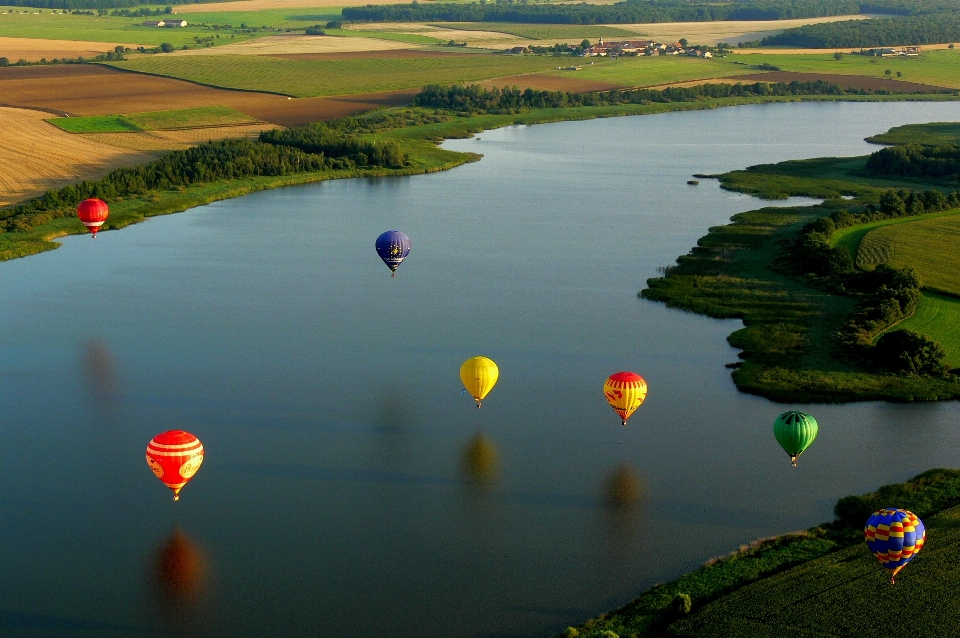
{"x":100,"y":90}
{"x":38,"y":156}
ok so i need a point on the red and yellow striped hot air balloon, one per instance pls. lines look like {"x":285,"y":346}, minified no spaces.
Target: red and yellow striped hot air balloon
{"x":625,"y":391}
{"x":175,"y":456}
{"x":93,"y":212}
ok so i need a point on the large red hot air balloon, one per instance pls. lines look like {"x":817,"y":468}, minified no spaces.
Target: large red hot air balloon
{"x":175,"y":456}
{"x":93,"y":212}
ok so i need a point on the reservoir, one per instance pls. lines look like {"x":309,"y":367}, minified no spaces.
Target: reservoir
{"x":334,"y":498}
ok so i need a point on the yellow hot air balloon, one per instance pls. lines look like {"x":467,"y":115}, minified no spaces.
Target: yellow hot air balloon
{"x":479,"y":375}
{"x":625,"y":391}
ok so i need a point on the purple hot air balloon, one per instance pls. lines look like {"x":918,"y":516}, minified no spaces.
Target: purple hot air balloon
{"x":393,"y":246}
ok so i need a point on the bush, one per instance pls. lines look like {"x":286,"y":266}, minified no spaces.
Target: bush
{"x":166,"y":47}
{"x":910,"y":352}
{"x":335,"y":24}
{"x":314,"y":30}
{"x":682,"y":603}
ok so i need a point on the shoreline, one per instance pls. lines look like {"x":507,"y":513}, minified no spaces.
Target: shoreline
{"x":422,"y":142}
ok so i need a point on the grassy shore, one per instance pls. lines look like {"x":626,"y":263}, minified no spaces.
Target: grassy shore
{"x":823,"y":573}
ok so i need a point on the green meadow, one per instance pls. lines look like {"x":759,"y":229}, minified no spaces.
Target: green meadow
{"x":153,"y":120}
{"x":412,"y":38}
{"x":929,"y":245}
{"x":938,"y":317}
{"x":314,"y":78}
{"x":640,"y":71}
{"x":937,"y":68}
{"x":45,"y":23}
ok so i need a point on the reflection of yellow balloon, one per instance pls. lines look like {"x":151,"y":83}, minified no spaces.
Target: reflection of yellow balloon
{"x":625,"y":391}
{"x":479,"y":375}
{"x":480,"y":459}
{"x":623,"y":486}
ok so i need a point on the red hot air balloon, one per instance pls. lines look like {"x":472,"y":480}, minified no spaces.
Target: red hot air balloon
{"x":93,"y":212}
{"x":175,"y":456}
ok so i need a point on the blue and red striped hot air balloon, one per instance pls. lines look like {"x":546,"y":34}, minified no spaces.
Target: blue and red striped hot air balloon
{"x":894,"y":536}
{"x":393,"y":246}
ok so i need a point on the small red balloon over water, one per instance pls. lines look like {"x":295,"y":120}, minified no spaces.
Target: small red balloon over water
{"x":175,"y":456}
{"x":93,"y":212}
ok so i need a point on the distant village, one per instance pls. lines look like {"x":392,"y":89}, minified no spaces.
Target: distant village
{"x":618,"y":48}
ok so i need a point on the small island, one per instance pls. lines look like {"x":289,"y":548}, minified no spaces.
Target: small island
{"x":857,"y":298}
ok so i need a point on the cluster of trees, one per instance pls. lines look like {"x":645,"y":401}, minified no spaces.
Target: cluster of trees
{"x":921,"y":29}
{"x":141,"y":12}
{"x":632,"y":11}
{"x":475,"y":99}
{"x":343,"y":151}
{"x":916,"y":160}
{"x":296,"y":150}
{"x":85,"y":4}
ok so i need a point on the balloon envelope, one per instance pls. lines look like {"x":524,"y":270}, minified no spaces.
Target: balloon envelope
{"x":795,"y":431}
{"x":93,"y":212}
{"x":625,"y":391}
{"x":393,"y":246}
{"x":175,"y":456}
{"x":894,"y":536}
{"x":479,"y":375}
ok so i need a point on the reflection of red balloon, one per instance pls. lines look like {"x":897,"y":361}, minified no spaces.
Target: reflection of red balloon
{"x":93,"y":212}
{"x":179,"y":568}
{"x":175,"y":456}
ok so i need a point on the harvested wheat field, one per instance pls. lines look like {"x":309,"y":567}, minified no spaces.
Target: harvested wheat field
{"x":773,"y":51}
{"x":260,"y":5}
{"x":731,"y":32}
{"x":38,"y":156}
{"x":33,"y":49}
{"x":846,"y":81}
{"x":100,"y":90}
{"x":551,"y":83}
{"x":298,"y":44}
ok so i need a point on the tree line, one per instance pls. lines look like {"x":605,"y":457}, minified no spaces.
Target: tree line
{"x":916,"y":160}
{"x":632,"y":11}
{"x":474,"y":99}
{"x":939,"y":28}
{"x":295,"y":150}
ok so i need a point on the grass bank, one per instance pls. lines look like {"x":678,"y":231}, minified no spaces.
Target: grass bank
{"x":825,"y":576}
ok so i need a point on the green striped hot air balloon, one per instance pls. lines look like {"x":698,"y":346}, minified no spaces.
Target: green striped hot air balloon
{"x":795,"y":431}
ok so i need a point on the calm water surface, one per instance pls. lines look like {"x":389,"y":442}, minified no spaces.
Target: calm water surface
{"x":334,"y":499}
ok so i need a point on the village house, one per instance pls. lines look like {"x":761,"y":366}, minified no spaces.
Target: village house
{"x":175,"y":23}
{"x":153,"y":23}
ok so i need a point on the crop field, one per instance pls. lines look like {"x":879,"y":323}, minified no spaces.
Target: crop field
{"x":93,"y":89}
{"x":929,"y":245}
{"x":294,"y":17}
{"x":307,"y":78}
{"x":934,"y":68}
{"x":554,"y":33}
{"x":938,"y":317}
{"x":50,"y":25}
{"x":37,"y":156}
{"x":199,"y":117}
{"x":845,"y":594}
{"x":35,"y":49}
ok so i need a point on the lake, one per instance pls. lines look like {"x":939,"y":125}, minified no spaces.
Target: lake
{"x":335,"y":498}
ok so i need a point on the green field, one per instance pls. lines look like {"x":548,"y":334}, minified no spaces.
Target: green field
{"x":44,"y":23}
{"x":937,"y":68}
{"x":938,"y":317}
{"x":852,"y":237}
{"x":934,"y":134}
{"x":276,"y":18}
{"x":202,"y":116}
{"x":574,"y":33}
{"x":412,"y":38}
{"x":929,"y":245}
{"x":95,"y":124}
{"x":647,"y":71}
{"x":314,"y":78}
{"x":845,"y":594}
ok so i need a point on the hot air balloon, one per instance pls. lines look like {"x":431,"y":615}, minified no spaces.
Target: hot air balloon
{"x":795,"y":431}
{"x":625,"y":391}
{"x":894,"y":536}
{"x":393,"y":246}
{"x":93,"y":212}
{"x":175,"y":456}
{"x":479,"y":375}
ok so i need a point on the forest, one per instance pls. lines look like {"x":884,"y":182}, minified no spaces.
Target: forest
{"x":916,"y":160}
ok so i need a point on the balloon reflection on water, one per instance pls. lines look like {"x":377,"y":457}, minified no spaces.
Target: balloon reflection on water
{"x":480,"y":460}
{"x":179,"y":570}
{"x":623,"y":488}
